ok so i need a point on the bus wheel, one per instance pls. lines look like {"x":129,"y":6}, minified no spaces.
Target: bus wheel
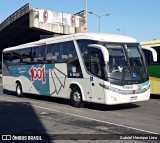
{"x":76,"y":98}
{"x":19,"y":91}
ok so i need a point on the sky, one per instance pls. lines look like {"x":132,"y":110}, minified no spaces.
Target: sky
{"x":135,"y":18}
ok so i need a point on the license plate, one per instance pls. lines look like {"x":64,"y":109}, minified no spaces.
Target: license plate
{"x":128,"y":87}
{"x":133,"y":98}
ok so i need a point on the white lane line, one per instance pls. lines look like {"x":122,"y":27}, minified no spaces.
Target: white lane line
{"x":88,"y":118}
{"x":7,"y":100}
{"x":46,"y":108}
{"x":101,"y":121}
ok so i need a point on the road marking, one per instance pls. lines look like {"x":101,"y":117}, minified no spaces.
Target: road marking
{"x":88,"y":118}
{"x":101,"y":121}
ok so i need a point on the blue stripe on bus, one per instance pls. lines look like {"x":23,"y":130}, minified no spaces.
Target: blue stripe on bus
{"x":41,"y":85}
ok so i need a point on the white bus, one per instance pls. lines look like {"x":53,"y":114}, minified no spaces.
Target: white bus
{"x":100,"y":68}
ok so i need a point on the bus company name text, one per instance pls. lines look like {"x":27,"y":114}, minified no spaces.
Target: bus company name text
{"x":37,"y":74}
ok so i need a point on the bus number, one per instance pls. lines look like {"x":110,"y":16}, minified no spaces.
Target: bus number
{"x":37,"y":74}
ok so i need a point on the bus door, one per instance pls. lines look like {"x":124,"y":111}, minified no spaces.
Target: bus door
{"x":96,"y":77}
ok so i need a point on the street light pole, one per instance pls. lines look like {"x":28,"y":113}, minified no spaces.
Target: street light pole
{"x":99,"y":19}
{"x":99,"y":23}
{"x":86,"y":15}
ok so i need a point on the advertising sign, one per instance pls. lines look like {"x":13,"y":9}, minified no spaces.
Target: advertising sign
{"x":60,"y":18}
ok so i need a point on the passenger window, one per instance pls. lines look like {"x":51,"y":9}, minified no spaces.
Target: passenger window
{"x":158,"y":53}
{"x":96,"y":59}
{"x":26,"y":55}
{"x":17,"y":59}
{"x":92,"y":57}
{"x":7,"y":58}
{"x":83,"y":45}
{"x":52,"y":53}
{"x":68,"y":51}
{"x":39,"y":54}
{"x":56,"y":53}
{"x":148,"y":57}
{"x":69,"y":55}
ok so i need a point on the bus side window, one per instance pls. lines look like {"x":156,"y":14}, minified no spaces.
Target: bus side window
{"x":158,"y":53}
{"x":85,"y":54}
{"x":96,"y":58}
{"x":69,"y":56}
{"x":16,"y":57}
{"x":83,"y":45}
{"x":56,"y":53}
{"x":68,"y":51}
{"x":148,"y":57}
{"x":49,"y":54}
{"x":40,"y":54}
{"x":7,"y":58}
{"x":49,"y":57}
{"x":26,"y":55}
{"x":53,"y":53}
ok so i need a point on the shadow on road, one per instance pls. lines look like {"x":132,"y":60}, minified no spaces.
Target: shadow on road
{"x":155,"y":96}
{"x":48,"y":98}
{"x":110,"y":107}
{"x":20,"y":119}
{"x":87,"y":105}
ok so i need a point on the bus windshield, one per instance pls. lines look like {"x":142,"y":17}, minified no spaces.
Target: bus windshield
{"x":126,"y":64}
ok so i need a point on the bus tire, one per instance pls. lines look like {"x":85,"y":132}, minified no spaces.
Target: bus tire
{"x":19,"y":91}
{"x":76,"y":97}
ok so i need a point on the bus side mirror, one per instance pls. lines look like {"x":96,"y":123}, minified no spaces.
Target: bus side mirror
{"x":103,"y":49}
{"x":153,"y":51}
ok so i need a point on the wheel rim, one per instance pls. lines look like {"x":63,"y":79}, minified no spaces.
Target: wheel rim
{"x":77,"y":97}
{"x":18,"y":90}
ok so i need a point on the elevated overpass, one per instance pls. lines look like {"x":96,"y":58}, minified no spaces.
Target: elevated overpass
{"x":28,"y":25}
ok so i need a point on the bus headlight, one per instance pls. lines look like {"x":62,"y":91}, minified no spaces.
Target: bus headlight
{"x":104,"y":86}
{"x":109,"y":88}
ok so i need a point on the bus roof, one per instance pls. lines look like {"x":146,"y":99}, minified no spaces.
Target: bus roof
{"x":103,"y":37}
{"x":153,"y":43}
{"x":95,"y":36}
{"x":106,"y":37}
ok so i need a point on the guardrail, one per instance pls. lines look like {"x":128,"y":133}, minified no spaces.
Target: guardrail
{"x":23,"y":10}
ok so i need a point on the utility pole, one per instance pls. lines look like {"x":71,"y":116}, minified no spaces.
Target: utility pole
{"x":86,"y":14}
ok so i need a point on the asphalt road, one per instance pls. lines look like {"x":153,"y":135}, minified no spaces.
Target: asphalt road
{"x":55,"y":118}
